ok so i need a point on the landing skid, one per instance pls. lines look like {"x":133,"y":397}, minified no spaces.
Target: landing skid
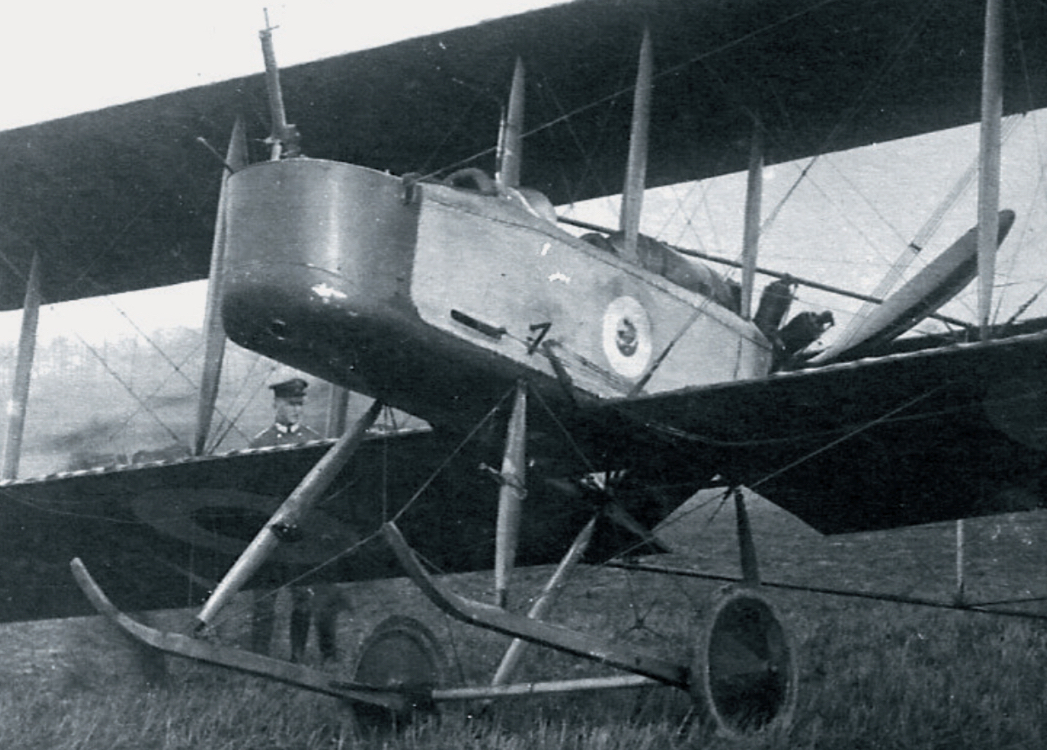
{"x":554,"y":636}
{"x":232,"y":658}
{"x":740,"y":672}
{"x":399,"y":699}
{"x":742,"y":675}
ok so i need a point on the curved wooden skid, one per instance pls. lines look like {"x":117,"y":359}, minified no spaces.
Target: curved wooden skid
{"x":231,"y":658}
{"x":556,"y":637}
{"x":321,"y":682}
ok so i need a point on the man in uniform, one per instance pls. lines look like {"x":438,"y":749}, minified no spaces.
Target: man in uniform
{"x":287,"y":427}
{"x":325,"y":600}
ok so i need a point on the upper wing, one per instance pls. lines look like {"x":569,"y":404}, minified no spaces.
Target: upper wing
{"x":124,"y":198}
{"x":878,"y":443}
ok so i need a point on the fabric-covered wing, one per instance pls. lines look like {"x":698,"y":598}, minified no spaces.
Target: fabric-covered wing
{"x":161,"y":535}
{"x":873,"y":444}
{"x":124,"y":198}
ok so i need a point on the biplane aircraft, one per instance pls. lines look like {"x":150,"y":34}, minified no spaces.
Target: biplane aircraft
{"x":402,"y":240}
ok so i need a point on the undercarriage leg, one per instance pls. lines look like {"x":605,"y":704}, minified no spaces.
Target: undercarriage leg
{"x":287,"y":516}
{"x":511,"y":495}
{"x":545,"y":600}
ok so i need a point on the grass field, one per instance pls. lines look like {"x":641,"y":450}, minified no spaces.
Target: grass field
{"x":872,"y":674}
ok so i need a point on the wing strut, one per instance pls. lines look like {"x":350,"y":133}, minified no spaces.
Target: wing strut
{"x":214,"y":345}
{"x":988,"y":198}
{"x":337,"y":411}
{"x":510,"y":140}
{"x":746,"y":543}
{"x":751,"y":236}
{"x":23,"y":373}
{"x":287,"y":516}
{"x":636,"y":169}
{"x":989,"y":148}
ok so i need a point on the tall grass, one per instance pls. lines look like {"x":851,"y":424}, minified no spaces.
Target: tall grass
{"x":872,"y":676}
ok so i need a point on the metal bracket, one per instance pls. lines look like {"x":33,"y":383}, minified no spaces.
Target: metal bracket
{"x":288,"y":532}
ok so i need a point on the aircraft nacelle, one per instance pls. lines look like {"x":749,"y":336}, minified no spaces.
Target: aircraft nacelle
{"x":436,"y":297}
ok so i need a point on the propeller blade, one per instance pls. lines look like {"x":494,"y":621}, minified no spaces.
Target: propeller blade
{"x":927,"y":291}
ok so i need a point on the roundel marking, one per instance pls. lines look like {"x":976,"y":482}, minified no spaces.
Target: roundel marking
{"x":227,"y":520}
{"x":627,"y":336}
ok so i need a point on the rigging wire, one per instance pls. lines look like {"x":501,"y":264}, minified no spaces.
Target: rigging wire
{"x":912,"y":250}
{"x":156,"y":391}
{"x":127,"y":386}
{"x":667,"y":72}
{"x":576,"y":139}
{"x":232,"y":424}
{"x":547,"y":407}
{"x":852,"y":111}
{"x":465,"y":114}
{"x":680,"y":209}
{"x":407,"y":506}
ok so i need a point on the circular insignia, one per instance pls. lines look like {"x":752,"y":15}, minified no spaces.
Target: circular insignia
{"x":627,"y":337}
{"x":227,"y":520}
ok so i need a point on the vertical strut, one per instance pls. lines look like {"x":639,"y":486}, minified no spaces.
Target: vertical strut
{"x":511,"y":494}
{"x":545,"y":600}
{"x":337,"y":409}
{"x":23,"y":373}
{"x":989,"y":150}
{"x":746,"y":544}
{"x":958,"y":594}
{"x":510,"y":141}
{"x":988,"y":196}
{"x":636,"y":169}
{"x":214,"y":333}
{"x":751,"y":236}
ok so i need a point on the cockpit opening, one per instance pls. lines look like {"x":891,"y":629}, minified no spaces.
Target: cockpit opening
{"x":661,"y":259}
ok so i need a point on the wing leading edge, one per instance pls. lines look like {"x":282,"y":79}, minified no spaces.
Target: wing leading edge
{"x":874,"y":444}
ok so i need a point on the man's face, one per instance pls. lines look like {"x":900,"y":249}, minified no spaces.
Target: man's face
{"x":288,"y":410}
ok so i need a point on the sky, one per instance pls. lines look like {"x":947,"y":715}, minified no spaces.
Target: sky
{"x":67,"y":57}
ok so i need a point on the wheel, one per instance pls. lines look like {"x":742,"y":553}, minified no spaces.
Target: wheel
{"x":399,"y":653}
{"x":744,"y":670}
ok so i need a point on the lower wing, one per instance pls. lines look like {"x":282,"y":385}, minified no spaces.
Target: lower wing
{"x":878,"y":443}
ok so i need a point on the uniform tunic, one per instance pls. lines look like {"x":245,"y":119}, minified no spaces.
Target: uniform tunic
{"x":281,"y":434}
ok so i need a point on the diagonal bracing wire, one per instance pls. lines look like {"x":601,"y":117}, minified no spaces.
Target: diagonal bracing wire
{"x":916,"y":245}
